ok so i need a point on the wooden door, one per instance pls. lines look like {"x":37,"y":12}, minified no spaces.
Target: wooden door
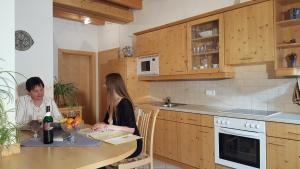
{"x":78,"y":67}
{"x":147,"y":43}
{"x":172,"y":50}
{"x":170,"y":140}
{"x":249,"y":34}
{"x":189,"y":145}
{"x":207,"y":146}
{"x":282,"y":153}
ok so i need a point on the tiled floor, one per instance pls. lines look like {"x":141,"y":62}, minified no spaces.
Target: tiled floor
{"x":161,"y":165}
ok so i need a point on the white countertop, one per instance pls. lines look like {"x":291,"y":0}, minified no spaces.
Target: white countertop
{"x":219,"y":111}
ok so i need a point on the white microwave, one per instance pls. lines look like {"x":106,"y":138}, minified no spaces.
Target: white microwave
{"x":148,"y":65}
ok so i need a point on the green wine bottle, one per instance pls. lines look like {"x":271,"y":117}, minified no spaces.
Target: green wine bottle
{"x":47,"y":127}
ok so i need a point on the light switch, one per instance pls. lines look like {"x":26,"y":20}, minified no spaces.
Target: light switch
{"x":210,"y":92}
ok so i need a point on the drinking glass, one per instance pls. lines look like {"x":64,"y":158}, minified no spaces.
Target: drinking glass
{"x":35,"y":126}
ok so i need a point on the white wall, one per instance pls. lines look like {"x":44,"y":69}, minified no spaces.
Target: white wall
{"x":73,"y":35}
{"x":35,"y":17}
{"x":7,"y":43}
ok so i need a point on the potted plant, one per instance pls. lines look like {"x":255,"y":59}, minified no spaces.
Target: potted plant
{"x":9,"y":132}
{"x":64,"y":94}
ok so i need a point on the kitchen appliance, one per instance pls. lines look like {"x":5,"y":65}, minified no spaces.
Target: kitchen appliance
{"x":241,"y":143}
{"x":148,"y":65}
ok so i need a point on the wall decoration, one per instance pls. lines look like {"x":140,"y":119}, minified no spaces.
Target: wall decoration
{"x":127,"y":51}
{"x":23,"y":40}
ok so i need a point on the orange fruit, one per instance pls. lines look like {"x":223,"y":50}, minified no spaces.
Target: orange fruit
{"x":70,"y":120}
{"x":78,"y":119}
{"x":69,"y":126}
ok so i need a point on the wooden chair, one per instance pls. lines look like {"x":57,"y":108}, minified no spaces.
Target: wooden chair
{"x":146,"y":119}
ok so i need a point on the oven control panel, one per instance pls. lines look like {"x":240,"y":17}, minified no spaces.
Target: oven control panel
{"x":241,"y":124}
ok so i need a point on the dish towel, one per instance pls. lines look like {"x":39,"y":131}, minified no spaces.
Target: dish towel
{"x":296,"y":94}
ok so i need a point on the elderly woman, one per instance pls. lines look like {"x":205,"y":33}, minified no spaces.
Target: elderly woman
{"x":33,"y":105}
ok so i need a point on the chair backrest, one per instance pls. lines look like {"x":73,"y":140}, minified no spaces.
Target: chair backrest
{"x":146,"y":119}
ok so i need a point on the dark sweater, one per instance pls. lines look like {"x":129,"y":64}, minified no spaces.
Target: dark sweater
{"x":124,"y":116}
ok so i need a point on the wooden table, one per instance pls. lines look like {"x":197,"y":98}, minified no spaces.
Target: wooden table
{"x":68,"y":157}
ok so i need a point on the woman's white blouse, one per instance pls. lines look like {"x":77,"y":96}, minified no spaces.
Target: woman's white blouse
{"x":27,"y":111}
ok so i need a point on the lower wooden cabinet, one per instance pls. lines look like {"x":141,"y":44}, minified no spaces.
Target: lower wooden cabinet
{"x":283,"y":146}
{"x":195,"y":146}
{"x":218,"y":166}
{"x":165,"y":139}
{"x":283,"y":153}
{"x":189,"y":144}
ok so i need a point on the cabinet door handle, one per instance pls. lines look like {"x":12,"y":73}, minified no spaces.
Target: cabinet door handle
{"x":191,"y":119}
{"x":293,"y":133}
{"x":276,"y":144}
{"x":246,"y":58}
{"x":202,"y":131}
{"x":179,"y":71}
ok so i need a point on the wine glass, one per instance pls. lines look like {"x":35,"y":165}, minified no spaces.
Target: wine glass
{"x":35,"y":126}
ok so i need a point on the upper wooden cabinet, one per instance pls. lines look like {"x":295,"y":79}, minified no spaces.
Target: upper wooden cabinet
{"x":172,"y":50}
{"x":147,"y":43}
{"x":205,"y":44}
{"x":249,"y":34}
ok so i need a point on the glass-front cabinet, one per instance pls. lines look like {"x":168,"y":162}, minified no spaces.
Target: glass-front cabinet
{"x":287,"y":22}
{"x":205,"y":45}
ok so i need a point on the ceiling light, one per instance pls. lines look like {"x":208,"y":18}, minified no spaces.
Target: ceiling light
{"x":87,"y":20}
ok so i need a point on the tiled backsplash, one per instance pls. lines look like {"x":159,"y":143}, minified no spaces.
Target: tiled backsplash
{"x":251,"y":89}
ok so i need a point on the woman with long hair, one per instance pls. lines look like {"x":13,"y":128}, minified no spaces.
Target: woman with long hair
{"x":120,"y":113}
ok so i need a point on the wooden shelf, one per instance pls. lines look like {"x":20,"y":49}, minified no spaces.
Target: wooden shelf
{"x":206,"y":53}
{"x":217,"y":75}
{"x":286,"y":2}
{"x":291,"y":22}
{"x":290,"y":45}
{"x":288,"y":71}
{"x":204,"y":38}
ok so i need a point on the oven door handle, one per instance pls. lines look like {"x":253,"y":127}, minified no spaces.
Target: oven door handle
{"x":239,"y":133}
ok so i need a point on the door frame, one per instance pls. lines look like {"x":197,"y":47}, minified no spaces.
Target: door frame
{"x":92,"y":68}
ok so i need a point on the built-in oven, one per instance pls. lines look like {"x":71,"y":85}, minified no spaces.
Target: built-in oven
{"x":240,"y":143}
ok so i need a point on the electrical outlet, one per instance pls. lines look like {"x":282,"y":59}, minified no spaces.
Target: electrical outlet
{"x":210,"y":92}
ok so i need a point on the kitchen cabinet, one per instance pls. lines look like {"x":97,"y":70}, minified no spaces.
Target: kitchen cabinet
{"x":194,"y":146}
{"x":218,"y":166}
{"x":283,"y":153}
{"x":180,"y":138}
{"x":147,"y":43}
{"x":205,"y":45}
{"x":287,"y":38}
{"x":283,"y":145}
{"x":172,"y":50}
{"x":249,"y":34}
{"x":165,"y":139}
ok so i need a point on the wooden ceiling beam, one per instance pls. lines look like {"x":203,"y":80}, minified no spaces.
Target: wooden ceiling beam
{"x":60,"y":13}
{"x":133,"y":4}
{"x":98,"y":8}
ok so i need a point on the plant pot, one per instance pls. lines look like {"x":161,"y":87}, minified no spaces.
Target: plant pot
{"x":60,"y":101}
{"x":10,"y":150}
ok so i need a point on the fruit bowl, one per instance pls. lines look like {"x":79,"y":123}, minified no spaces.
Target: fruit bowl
{"x":71,"y":125}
